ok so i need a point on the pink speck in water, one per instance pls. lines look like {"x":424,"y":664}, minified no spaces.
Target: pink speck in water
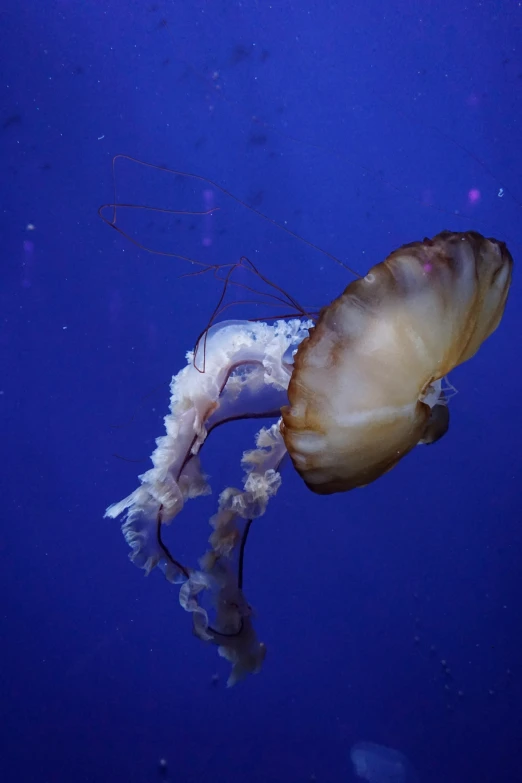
{"x":473,"y":196}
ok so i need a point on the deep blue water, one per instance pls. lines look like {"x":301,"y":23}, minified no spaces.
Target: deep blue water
{"x":377,"y":124}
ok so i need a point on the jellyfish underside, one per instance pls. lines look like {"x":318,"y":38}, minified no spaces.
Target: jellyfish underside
{"x":356,"y":391}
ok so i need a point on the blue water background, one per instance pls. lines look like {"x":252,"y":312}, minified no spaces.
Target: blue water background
{"x":377,"y":123}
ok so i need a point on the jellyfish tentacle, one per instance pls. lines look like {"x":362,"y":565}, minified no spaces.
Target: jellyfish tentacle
{"x":245,"y":376}
{"x":221,"y":575}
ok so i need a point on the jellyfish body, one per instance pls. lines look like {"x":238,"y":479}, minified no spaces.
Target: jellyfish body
{"x":357,"y":391}
{"x":379,"y":764}
{"x":361,"y":394}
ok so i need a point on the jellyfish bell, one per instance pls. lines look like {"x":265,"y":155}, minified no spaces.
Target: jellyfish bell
{"x":380,"y":764}
{"x":366,"y":382}
{"x":352,"y":394}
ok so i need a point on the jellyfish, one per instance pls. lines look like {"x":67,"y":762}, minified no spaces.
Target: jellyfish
{"x":351,"y":393}
{"x":378,"y":764}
